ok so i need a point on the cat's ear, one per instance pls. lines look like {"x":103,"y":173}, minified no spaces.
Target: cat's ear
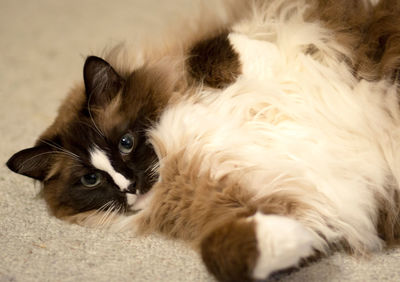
{"x":33,"y":162}
{"x":102,"y":82}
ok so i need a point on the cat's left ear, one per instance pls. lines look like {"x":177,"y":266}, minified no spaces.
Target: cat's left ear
{"x":102,"y":82}
{"x":33,"y":162}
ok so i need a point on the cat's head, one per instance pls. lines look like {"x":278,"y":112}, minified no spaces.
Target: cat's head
{"x":96,"y":155}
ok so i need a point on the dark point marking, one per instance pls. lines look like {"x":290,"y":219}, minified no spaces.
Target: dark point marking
{"x":230,"y":251}
{"x":214,"y":62}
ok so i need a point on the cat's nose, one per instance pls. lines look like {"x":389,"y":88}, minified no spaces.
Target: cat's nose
{"x":132,"y":188}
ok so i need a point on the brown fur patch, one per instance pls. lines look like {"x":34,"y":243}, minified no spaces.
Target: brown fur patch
{"x":110,"y":116}
{"x":214,"y":62}
{"x":230,"y":251}
{"x":388,"y":224}
{"x":372,"y":33}
{"x":282,"y":204}
{"x":346,"y":19}
{"x":68,"y":111}
{"x":187,"y":208}
{"x":55,"y":186}
{"x":379,"y":54}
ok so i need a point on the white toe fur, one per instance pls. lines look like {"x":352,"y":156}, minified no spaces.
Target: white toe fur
{"x":282,"y":242}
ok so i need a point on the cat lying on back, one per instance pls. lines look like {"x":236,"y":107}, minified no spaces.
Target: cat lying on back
{"x":291,"y":148}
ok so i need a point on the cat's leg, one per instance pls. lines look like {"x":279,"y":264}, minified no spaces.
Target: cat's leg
{"x":214,"y":62}
{"x":254,"y":247}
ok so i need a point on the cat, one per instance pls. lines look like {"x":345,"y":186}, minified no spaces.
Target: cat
{"x":275,"y":144}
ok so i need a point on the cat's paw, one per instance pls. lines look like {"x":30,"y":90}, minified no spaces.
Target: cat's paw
{"x":253,"y":248}
{"x":282,"y":242}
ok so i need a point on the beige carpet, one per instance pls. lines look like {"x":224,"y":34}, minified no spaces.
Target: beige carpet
{"x":43,"y":44}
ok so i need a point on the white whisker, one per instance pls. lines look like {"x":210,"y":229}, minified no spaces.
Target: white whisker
{"x":105,"y":214}
{"x":95,"y":129}
{"x":22,"y":166}
{"x":93,"y":220}
{"x":60,"y":148}
{"x":153,"y":170}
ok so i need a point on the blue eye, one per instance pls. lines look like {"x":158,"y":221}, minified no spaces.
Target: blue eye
{"x":91,"y":180}
{"x":126,"y":143}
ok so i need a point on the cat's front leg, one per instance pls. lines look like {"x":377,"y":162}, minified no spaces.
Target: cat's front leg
{"x":254,"y":247}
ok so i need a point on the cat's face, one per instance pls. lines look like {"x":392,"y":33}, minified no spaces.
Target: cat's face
{"x":96,"y":155}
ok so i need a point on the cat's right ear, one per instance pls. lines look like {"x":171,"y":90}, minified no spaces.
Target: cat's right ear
{"x":102,"y":82}
{"x":33,"y":162}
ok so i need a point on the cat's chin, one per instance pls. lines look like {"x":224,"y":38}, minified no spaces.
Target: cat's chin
{"x":138,"y":202}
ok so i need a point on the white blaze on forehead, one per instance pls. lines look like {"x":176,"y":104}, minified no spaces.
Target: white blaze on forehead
{"x":100,"y":161}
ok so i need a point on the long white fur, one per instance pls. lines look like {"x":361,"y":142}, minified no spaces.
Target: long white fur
{"x":296,"y":124}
